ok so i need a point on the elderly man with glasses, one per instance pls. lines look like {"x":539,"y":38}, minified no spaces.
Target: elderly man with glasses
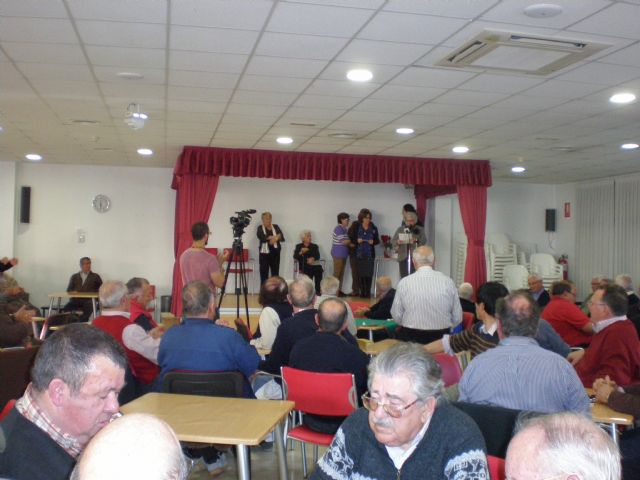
{"x":404,"y":430}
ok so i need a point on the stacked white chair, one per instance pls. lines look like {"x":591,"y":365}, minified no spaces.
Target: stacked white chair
{"x":501,"y":253}
{"x":515,"y":277}
{"x":546,"y":267}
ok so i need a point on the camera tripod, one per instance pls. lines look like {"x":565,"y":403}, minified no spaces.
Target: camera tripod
{"x":237,"y":263}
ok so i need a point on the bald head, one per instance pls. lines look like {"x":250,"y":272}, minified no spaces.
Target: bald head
{"x":383,"y":285}
{"x":423,"y":256}
{"x":301,"y":292}
{"x":563,"y":445}
{"x":332,"y":314}
{"x":132,"y":447}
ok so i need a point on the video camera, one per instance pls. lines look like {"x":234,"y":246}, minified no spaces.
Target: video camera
{"x":240,"y":222}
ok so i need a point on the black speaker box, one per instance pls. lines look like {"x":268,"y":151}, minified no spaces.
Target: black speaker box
{"x":550,"y":220}
{"x":25,"y":204}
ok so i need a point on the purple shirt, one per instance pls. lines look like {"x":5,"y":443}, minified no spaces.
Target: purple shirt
{"x":338,"y":249}
{"x":198,"y":264}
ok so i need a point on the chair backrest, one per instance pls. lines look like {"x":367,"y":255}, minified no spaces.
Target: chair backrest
{"x":467,"y":320}
{"x":218,"y":384}
{"x":451,"y":370}
{"x":496,"y":468}
{"x":15,"y":371}
{"x":332,"y":394}
{"x":515,"y":277}
{"x":497,"y":425}
{"x":7,"y":408}
{"x":212,"y":250}
{"x":543,"y":263}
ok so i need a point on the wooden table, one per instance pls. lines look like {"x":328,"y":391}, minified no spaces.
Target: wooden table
{"x":607,"y":416}
{"x":374,"y":348}
{"x":60,"y":295}
{"x":227,"y":421}
{"x":372,"y":325}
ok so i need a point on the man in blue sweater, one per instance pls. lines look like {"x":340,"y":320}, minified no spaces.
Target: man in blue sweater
{"x":405,"y":431}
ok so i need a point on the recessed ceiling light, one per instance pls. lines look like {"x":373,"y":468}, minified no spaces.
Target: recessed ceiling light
{"x":130,"y":75}
{"x":518,"y":169}
{"x":624,"y":97}
{"x":405,"y":130}
{"x":145,"y":151}
{"x":629,"y":146}
{"x":542,"y":10}
{"x":359,"y":75}
{"x":460,"y":149}
{"x":33,"y":157}
{"x":284,"y":140}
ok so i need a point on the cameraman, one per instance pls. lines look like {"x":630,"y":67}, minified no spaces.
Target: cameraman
{"x":407,"y":238}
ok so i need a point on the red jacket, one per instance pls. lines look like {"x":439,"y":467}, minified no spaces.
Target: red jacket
{"x":615,"y":351}
{"x":141,"y":368}
{"x":567,"y":319}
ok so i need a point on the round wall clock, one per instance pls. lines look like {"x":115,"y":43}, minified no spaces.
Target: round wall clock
{"x":101,"y":203}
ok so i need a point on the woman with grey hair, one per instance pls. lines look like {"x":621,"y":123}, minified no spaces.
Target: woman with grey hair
{"x":308,"y":255}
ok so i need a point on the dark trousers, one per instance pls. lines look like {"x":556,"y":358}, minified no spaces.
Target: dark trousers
{"x":355,"y":278}
{"x":419,"y":336}
{"x":315,"y":273}
{"x":630,"y":450}
{"x":365,"y":286}
{"x":269,"y":261}
{"x":84,"y":304}
{"x":405,"y":268}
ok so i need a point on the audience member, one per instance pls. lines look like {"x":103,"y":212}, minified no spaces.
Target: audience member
{"x":140,"y":294}
{"x":625,"y":281}
{"x":562,"y":446}
{"x":275,"y":309}
{"x":85,"y":281}
{"x":307,"y":254}
{"x":15,"y":328}
{"x":518,"y":373}
{"x":465,"y":293}
{"x":7,"y":263}
{"x":565,"y":316}
{"x":598,"y":281}
{"x":406,"y":239}
{"x":270,"y":239}
{"x":10,"y":291}
{"x":625,"y":400}
{"x":340,"y":248}
{"x":385,"y":293}
{"x":615,"y":348}
{"x":404,"y":427}
{"x":200,"y":345}
{"x":133,"y":447}
{"x":329,"y":287}
{"x":426,"y":304}
{"x":141,"y":347}
{"x":76,"y":378}
{"x":537,"y":291}
{"x":365,"y":238}
{"x":198,"y":264}
{"x":327,"y":351}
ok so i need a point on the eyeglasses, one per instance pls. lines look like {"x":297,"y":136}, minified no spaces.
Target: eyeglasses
{"x":393,"y":411}
{"x":590,"y":303}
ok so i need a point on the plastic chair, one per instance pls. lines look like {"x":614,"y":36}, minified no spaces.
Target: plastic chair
{"x":217,"y":384}
{"x":451,"y":370}
{"x":496,"y":468}
{"x":331,"y":394}
{"x":514,"y":277}
{"x":7,"y":408}
{"x":249,"y":266}
{"x":467,"y":320}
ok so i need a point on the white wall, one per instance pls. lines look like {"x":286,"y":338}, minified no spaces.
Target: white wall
{"x":136,"y":236}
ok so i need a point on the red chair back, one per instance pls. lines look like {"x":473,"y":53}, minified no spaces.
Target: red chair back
{"x":496,"y":468}
{"x":451,"y":370}
{"x":245,"y":254}
{"x":7,"y":408}
{"x":331,"y":394}
{"x":213,"y":251}
{"x":467,"y":320}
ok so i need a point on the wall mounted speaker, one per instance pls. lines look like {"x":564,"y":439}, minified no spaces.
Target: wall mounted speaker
{"x":25,"y":204}
{"x":550,"y":220}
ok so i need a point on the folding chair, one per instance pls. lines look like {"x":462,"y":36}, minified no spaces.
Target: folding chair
{"x":331,"y":394}
{"x":451,"y":370}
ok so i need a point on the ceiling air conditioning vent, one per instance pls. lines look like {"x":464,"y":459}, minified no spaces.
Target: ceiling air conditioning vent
{"x":519,"y":53}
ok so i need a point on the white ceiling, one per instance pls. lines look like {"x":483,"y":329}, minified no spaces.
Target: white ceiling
{"x":239,"y":73}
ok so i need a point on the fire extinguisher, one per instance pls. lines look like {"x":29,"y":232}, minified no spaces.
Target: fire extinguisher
{"x":564,"y":261}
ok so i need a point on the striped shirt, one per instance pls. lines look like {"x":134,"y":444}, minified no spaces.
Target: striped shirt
{"x":338,"y":248}
{"x":426,"y":300}
{"x":521,"y":375}
{"x":476,"y":340}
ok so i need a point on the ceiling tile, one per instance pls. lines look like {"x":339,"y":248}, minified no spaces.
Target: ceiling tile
{"x":341,"y":88}
{"x":263,"y":98}
{"x":196,"y":93}
{"x":619,"y":19}
{"x":16,"y":29}
{"x":486,"y":82}
{"x":33,"y":71}
{"x":264,"y":83}
{"x":299,"y":46}
{"x":443,"y":8}
{"x":126,"y":57}
{"x":384,"y":53}
{"x":110,"y":74}
{"x":207,"y":62}
{"x":601,"y":74}
{"x":33,"y":8}
{"x":432,"y":77}
{"x":241,"y":14}
{"x":120,"y":34}
{"x":325,"y":101}
{"x":464,"y":97}
{"x":44,"y":53}
{"x":203,"y":79}
{"x":213,"y":40}
{"x":317,"y":20}
{"x":292,"y":66}
{"x":143,"y":11}
{"x":401,"y":27}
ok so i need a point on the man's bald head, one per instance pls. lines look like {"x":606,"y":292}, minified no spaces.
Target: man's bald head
{"x":383,"y":285}
{"x":423,"y":256}
{"x":132,"y":447}
{"x":332,"y":314}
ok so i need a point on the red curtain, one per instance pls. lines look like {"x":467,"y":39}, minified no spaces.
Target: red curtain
{"x":424,"y":193}
{"x":473,"y":209}
{"x":195,"y":194}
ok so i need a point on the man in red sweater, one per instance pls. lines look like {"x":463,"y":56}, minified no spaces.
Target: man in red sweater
{"x":565,"y":316}
{"x":615,"y":348}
